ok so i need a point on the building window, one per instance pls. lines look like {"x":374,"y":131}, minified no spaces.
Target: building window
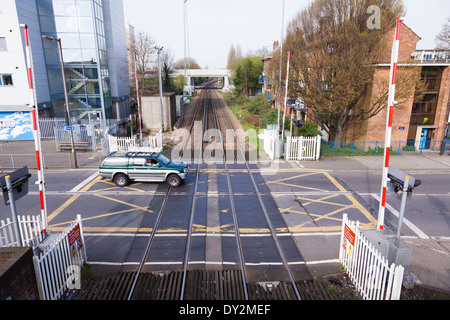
{"x":6,"y":80}
{"x":3,"y":44}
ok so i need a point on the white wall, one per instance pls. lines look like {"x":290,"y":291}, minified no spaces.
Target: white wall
{"x":12,"y":61}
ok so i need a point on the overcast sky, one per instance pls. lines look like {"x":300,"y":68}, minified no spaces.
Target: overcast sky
{"x":214,"y":25}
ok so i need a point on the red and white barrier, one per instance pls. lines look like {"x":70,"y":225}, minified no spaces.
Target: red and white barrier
{"x":390,"y":110}
{"x":36,"y":135}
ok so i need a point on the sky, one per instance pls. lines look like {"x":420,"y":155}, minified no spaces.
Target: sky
{"x":215,"y":25}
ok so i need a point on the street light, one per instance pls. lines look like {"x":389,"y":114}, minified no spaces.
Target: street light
{"x":158,"y":50}
{"x":69,"y":123}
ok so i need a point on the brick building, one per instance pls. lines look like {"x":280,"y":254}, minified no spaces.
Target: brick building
{"x":422,"y":124}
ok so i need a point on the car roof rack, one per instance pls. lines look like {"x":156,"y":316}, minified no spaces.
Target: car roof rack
{"x":143,"y":151}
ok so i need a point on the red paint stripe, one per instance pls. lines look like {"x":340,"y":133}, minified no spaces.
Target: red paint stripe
{"x":386,"y":163}
{"x":30,"y":78}
{"x":391,"y":113}
{"x":38,"y":163}
{"x":33,"y":114}
{"x":397,"y":31}
{"x":394,"y":73}
{"x":42,"y":199}
{"x":26,"y":35}
{"x":383,"y":198}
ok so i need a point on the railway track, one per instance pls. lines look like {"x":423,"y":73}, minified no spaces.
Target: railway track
{"x":172,"y":266}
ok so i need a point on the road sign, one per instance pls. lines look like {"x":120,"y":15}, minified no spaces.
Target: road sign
{"x":69,"y":128}
{"x":349,"y":240}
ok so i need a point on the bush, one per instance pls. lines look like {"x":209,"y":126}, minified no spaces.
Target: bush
{"x":309,"y":129}
{"x":409,"y":148}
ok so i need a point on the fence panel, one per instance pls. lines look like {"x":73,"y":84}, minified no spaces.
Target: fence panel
{"x":302,"y":148}
{"x":367,"y":268}
{"x":63,"y":255}
{"x":30,"y":231}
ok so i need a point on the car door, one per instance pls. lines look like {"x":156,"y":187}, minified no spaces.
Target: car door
{"x":158,"y":171}
{"x":137,"y":169}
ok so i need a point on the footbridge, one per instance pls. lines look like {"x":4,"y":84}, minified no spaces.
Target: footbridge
{"x":203,"y":73}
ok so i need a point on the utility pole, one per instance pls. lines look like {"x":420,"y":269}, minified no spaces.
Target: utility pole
{"x":138,"y":101}
{"x":69,"y":122}
{"x":158,"y":50}
{"x":281,"y":56}
{"x":285,"y":95}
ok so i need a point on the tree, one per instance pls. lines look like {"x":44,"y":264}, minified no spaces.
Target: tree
{"x":246,"y":73}
{"x":191,"y":62}
{"x":144,"y":48}
{"x":167,"y":66}
{"x":443,"y":38}
{"x":309,"y":129}
{"x":333,"y":56}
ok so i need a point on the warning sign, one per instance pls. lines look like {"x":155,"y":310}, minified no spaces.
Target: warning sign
{"x":349,"y":240}
{"x":75,"y":240}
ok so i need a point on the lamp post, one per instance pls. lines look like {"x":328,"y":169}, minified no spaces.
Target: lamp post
{"x":158,"y":50}
{"x":69,"y":123}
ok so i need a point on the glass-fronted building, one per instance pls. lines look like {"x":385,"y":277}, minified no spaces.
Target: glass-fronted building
{"x":80,"y":26}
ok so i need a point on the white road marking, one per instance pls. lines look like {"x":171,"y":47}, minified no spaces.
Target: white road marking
{"x":415,"y":229}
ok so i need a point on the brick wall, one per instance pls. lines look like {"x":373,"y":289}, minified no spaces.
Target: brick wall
{"x":17,"y":276}
{"x":441,"y":118}
{"x":374,"y":129}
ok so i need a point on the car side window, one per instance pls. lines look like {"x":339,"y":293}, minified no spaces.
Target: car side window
{"x":137,"y":162}
{"x":152,"y":163}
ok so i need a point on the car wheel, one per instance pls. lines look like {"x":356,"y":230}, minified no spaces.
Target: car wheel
{"x":173,"y":180}
{"x":121,"y":180}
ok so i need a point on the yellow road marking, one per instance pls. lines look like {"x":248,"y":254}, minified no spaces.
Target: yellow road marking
{"x":299,"y":176}
{"x":123,"y":202}
{"x":321,"y":200}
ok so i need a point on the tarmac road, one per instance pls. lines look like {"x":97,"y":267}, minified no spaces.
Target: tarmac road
{"x":319,"y":190}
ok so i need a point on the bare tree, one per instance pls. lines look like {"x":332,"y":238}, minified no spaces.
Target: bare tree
{"x":333,"y":56}
{"x":443,"y":38}
{"x":231,"y":57}
{"x":192,"y":63}
{"x":144,"y":48}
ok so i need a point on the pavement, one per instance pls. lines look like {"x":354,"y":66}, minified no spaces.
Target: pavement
{"x":430,"y":258}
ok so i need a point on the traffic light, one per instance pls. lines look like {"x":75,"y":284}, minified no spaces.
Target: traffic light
{"x":397,"y":179}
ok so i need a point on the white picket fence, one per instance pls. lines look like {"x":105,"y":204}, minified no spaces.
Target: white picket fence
{"x":270,"y":137}
{"x":155,"y":141}
{"x":368,"y":270}
{"x":121,"y":144}
{"x":125,"y":144}
{"x":57,"y":259}
{"x":60,"y":262}
{"x":30,"y":229}
{"x":302,"y":148}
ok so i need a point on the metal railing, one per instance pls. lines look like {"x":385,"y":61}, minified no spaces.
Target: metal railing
{"x":432,"y":55}
{"x":374,"y":148}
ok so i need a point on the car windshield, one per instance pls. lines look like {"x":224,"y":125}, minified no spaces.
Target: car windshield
{"x":163,"y":160}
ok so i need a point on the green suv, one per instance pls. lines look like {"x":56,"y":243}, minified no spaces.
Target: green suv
{"x":142,"y":166}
